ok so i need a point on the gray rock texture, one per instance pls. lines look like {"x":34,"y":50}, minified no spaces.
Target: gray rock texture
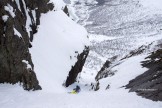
{"x":15,"y":59}
{"x":149,"y":84}
{"x":77,"y":68}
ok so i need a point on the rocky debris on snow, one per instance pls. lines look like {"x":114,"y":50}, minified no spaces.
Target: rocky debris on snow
{"x":106,"y":71}
{"x":138,"y":51}
{"x":77,"y":68}
{"x":101,"y":74}
{"x":149,"y":84}
{"x":16,"y":35}
{"x":95,"y":86}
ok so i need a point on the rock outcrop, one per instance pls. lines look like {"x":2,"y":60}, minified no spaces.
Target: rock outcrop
{"x":66,"y":11}
{"x":18,"y":22}
{"x":149,"y":84}
{"x":77,"y":68}
{"x":103,"y":73}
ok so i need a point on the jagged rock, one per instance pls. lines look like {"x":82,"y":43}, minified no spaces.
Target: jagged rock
{"x":149,"y":84}
{"x":138,"y":51}
{"x":15,"y":59}
{"x":29,"y":80}
{"x":95,"y":86}
{"x":77,"y":68}
{"x":106,"y":69}
{"x":66,"y":11}
{"x":102,"y":74}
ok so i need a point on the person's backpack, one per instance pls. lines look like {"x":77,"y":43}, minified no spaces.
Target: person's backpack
{"x":77,"y":89}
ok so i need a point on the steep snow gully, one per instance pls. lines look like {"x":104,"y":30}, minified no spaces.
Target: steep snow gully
{"x":125,"y":39}
{"x":120,"y":30}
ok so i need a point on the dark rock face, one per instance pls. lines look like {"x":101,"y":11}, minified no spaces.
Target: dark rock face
{"x":102,"y":74}
{"x":66,"y":11}
{"x":138,"y":51}
{"x":95,"y":86}
{"x":15,"y":59}
{"x":149,"y":84}
{"x":105,"y":70}
{"x":77,"y":68}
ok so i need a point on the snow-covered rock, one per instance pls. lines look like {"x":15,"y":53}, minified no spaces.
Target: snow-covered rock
{"x":56,"y":50}
{"x":52,"y":36}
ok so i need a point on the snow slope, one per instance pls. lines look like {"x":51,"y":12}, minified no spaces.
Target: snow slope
{"x":131,"y":23}
{"x":152,"y":4}
{"x":52,"y":47}
{"x":114,"y":97}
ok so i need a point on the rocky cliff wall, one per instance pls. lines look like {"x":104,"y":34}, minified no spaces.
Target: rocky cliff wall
{"x":149,"y":84}
{"x":18,"y":22}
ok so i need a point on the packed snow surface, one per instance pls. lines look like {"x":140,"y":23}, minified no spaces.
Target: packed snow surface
{"x":54,"y":50}
{"x":114,"y":97}
{"x":152,"y":3}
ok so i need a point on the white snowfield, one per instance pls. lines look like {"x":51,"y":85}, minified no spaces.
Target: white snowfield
{"x":152,"y":4}
{"x":53,"y":54}
{"x":54,"y":49}
{"x":115,"y":97}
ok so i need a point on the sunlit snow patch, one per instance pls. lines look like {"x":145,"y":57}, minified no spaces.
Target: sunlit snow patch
{"x":155,"y":4}
{"x":100,"y":38}
{"x":17,"y":33}
{"x":10,"y":9}
{"x":5,"y":18}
